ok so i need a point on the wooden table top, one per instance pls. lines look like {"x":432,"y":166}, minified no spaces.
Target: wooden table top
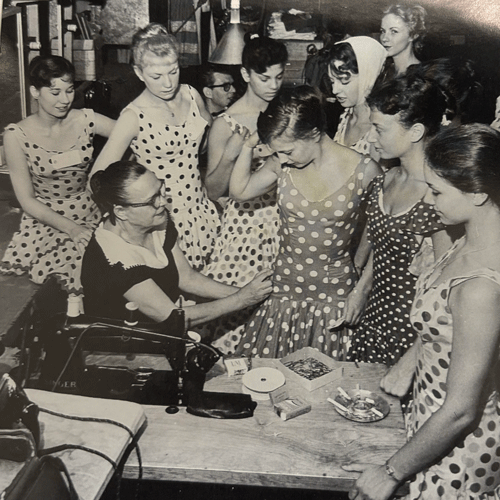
{"x":304,"y":452}
{"x":90,"y":473}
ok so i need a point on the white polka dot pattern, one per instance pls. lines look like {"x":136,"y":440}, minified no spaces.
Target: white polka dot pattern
{"x":312,"y":275}
{"x":385,"y":332}
{"x":248,"y":242}
{"x":362,"y":146}
{"x":472,"y":469}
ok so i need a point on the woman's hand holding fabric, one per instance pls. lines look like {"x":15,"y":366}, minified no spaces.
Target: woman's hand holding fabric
{"x":252,"y":140}
{"x":355,"y":305}
{"x":236,"y":142}
{"x":81,"y":236}
{"x":257,"y":290}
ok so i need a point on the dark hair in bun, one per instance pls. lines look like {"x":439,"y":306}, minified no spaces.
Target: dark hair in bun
{"x":109,"y":186}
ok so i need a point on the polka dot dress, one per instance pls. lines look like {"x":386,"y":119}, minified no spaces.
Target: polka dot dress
{"x":362,"y":146}
{"x":248,"y":243}
{"x":385,"y":331}
{"x":472,"y":469}
{"x":39,"y":249}
{"x":171,"y":152}
{"x":314,"y":272}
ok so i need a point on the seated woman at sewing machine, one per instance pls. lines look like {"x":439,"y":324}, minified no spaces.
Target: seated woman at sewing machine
{"x":133,"y":255}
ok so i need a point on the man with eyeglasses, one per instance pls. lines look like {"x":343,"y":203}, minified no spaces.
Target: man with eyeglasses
{"x":218,"y":89}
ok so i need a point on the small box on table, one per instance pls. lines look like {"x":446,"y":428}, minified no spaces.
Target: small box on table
{"x":310,"y":368}
{"x":287,"y":407}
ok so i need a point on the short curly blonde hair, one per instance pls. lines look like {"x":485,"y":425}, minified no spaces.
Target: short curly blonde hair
{"x":413,"y":15}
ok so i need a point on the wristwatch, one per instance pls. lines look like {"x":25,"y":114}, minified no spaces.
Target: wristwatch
{"x":389,"y":469}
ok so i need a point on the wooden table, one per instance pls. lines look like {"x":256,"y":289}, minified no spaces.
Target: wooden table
{"x":305,"y":452}
{"x":90,"y":473}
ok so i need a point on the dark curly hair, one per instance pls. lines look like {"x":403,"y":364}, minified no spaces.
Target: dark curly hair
{"x":344,"y":53}
{"x":457,"y":77}
{"x":415,"y":100}
{"x":260,"y":53}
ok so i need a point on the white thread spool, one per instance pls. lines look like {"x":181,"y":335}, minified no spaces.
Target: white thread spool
{"x":74,"y":306}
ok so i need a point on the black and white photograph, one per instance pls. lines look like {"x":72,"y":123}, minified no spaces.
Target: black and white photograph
{"x":250,"y":250}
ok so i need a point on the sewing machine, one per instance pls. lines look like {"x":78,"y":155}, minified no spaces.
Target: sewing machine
{"x":57,"y":359}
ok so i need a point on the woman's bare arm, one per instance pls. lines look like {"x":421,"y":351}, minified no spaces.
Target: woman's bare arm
{"x":23,"y":188}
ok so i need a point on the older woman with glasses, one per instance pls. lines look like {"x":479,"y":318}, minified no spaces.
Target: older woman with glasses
{"x":134,"y":255}
{"x":164,"y":127}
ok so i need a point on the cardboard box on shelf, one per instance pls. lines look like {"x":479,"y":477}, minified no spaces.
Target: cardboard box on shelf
{"x":87,"y":58}
{"x":335,"y":368}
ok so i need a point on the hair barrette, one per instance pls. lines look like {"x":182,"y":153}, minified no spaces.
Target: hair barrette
{"x":445,"y":121}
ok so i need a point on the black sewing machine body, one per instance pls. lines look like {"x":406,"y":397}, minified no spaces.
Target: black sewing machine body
{"x":60,"y":347}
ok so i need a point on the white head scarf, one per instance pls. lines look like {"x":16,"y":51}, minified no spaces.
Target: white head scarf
{"x":370,"y":56}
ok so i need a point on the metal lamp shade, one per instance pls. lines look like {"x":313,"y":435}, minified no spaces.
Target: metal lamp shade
{"x":230,"y":47}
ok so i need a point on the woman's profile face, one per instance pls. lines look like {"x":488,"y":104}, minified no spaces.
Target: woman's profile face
{"x":160,"y":74}
{"x":395,"y":35}
{"x":345,"y":87}
{"x":388,"y":135}
{"x":451,"y":204}
{"x":266,"y":85}
{"x":57,"y":99}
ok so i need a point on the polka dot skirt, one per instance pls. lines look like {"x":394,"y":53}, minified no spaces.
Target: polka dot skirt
{"x":385,"y":331}
{"x":313,"y":272}
{"x":247,"y":244}
{"x":472,"y":469}
{"x":171,"y":152}
{"x":39,"y":249}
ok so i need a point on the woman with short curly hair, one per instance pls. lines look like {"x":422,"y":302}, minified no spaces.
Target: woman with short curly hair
{"x":401,"y":33}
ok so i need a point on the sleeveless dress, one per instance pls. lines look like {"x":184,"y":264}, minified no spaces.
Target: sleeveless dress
{"x":59,"y":180}
{"x":362,"y":146}
{"x":472,"y":469}
{"x":385,"y":332}
{"x":314,"y":272}
{"x":247,"y":244}
{"x":171,"y":152}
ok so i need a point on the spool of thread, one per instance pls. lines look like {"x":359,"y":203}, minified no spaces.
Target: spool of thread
{"x":131,"y":308}
{"x":74,"y":306}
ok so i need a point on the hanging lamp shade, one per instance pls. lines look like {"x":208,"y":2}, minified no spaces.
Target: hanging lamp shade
{"x":230,"y":47}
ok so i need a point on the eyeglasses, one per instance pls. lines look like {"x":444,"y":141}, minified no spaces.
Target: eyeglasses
{"x":225,"y":86}
{"x":154,"y":202}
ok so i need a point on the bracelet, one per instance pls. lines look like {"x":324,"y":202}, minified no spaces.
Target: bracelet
{"x":391,"y":472}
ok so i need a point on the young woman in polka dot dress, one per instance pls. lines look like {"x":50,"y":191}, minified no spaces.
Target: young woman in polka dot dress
{"x":404,"y":112}
{"x":354,"y":65}
{"x":164,"y":127}
{"x":320,"y":185}
{"x":48,"y":155}
{"x":453,"y":450}
{"x":248,"y":240}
